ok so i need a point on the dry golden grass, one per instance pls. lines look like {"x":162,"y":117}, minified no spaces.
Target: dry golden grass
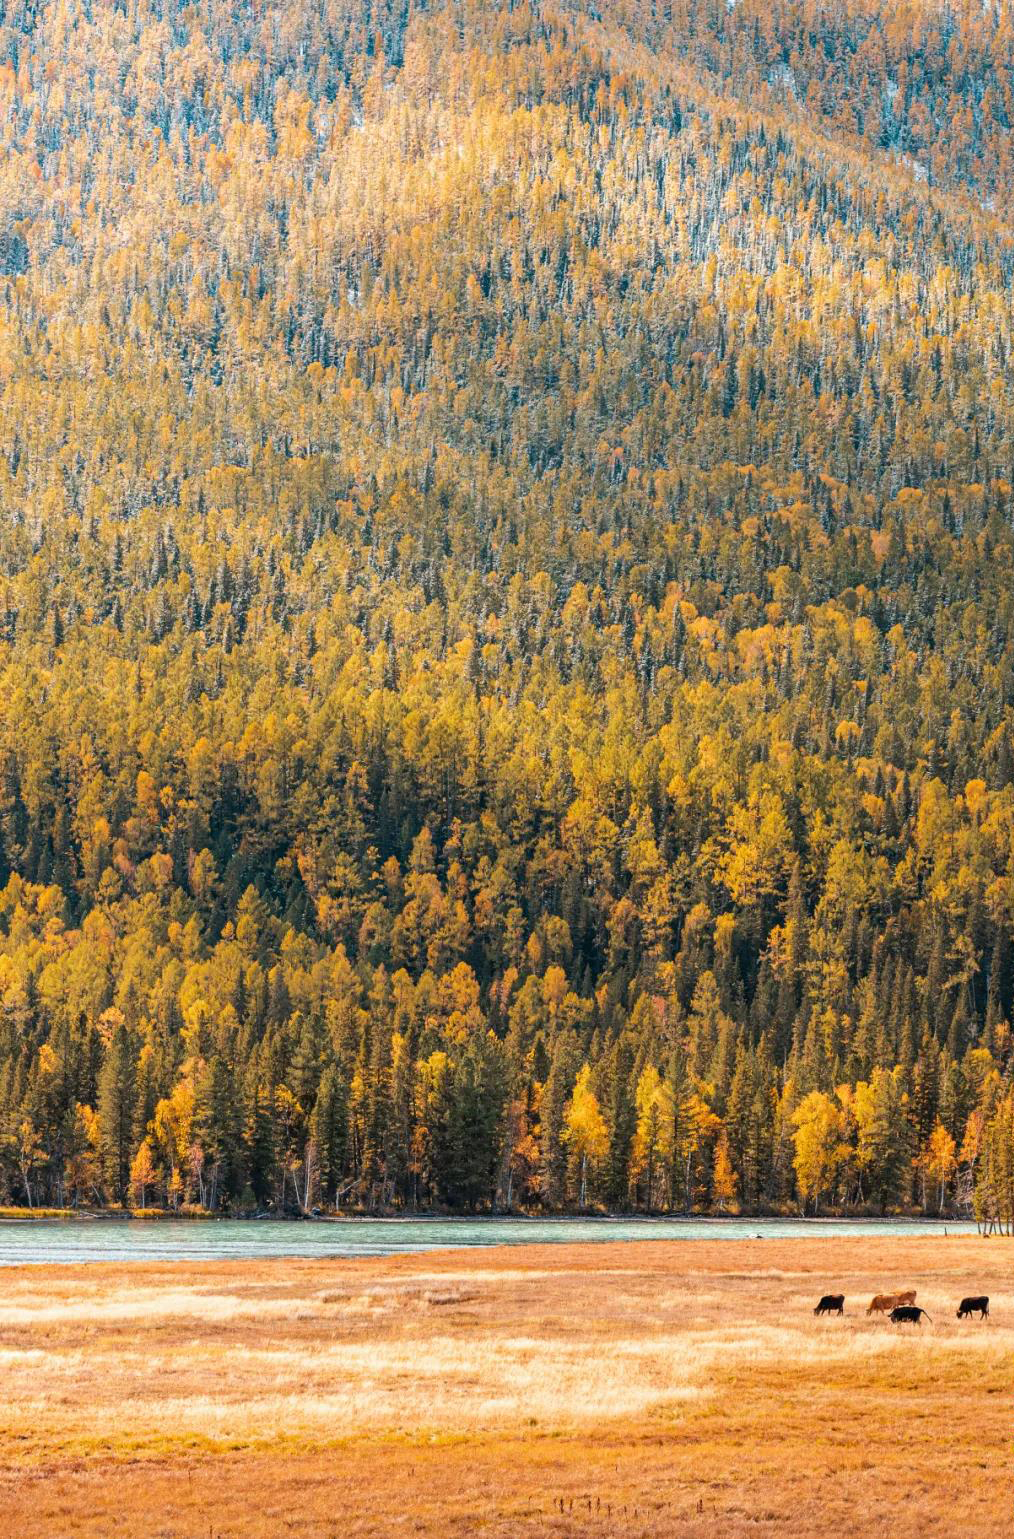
{"x":616,"y":1390}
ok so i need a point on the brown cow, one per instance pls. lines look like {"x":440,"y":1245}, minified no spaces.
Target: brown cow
{"x":883,"y":1303}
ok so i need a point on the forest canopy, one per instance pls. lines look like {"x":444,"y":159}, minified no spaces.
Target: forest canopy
{"x":506,"y":621}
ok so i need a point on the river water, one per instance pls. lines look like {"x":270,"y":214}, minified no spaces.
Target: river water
{"x":71,"y":1241}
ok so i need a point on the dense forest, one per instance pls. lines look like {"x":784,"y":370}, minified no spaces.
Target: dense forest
{"x":506,"y":606}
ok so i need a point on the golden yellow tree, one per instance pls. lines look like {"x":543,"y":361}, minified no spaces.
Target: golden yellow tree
{"x":819,"y":1150}
{"x":725,"y":1182}
{"x":584,"y":1131}
{"x":653,"y":1103}
{"x":940,"y":1159}
{"x":142,"y":1172}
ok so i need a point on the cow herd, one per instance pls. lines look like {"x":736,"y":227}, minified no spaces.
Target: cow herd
{"x":901,"y":1308}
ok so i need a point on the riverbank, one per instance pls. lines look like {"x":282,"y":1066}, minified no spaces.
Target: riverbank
{"x":107,"y":1215}
{"x":653,"y":1388}
{"x":402,"y":1215}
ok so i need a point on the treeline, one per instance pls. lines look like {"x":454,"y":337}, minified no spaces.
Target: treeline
{"x":272,"y":1071}
{"x":506,"y":656}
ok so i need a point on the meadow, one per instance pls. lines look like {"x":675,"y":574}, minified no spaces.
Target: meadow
{"x":645,"y":1388}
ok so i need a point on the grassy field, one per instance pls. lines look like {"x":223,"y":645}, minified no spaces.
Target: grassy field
{"x":616,"y":1390}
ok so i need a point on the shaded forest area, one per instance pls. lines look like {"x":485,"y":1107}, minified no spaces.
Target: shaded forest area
{"x":506,"y":647}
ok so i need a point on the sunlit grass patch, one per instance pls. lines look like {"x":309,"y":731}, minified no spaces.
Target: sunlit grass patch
{"x":667,"y":1379}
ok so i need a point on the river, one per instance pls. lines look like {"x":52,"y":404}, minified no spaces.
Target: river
{"x":73,"y":1241}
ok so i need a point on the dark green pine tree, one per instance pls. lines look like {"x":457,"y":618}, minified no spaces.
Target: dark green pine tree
{"x":478,"y":1094}
{"x":217,"y":1126}
{"x":621,"y":1118}
{"x":329,"y":1131}
{"x":563,"y":1069}
{"x":738,"y":1111}
{"x":117,"y":1100}
{"x":146,"y":1094}
{"x":259,"y":1139}
{"x":303,"y":1077}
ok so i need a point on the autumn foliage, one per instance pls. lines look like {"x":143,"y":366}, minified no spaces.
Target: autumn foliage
{"x":506,"y":657}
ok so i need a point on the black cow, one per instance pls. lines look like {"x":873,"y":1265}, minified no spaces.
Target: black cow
{"x":969,"y":1307}
{"x":908,"y":1314}
{"x":831,"y":1304}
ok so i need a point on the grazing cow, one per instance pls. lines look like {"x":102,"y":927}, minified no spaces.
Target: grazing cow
{"x":883,"y":1303}
{"x":969,"y":1307}
{"x":831,"y":1304}
{"x":908,"y":1314}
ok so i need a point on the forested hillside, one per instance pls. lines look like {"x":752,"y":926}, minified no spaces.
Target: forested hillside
{"x":506,"y":614}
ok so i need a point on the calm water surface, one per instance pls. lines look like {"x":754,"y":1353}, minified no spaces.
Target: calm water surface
{"x":77,"y":1240}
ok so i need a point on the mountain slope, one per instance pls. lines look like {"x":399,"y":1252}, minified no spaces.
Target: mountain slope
{"x":504,"y":571}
